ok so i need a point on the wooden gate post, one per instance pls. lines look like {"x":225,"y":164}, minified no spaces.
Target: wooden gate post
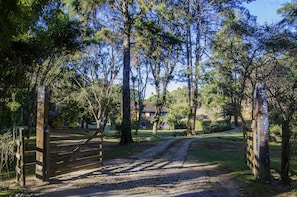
{"x":42,"y":135}
{"x":20,"y":160}
{"x":261,"y":132}
{"x":255,"y":158}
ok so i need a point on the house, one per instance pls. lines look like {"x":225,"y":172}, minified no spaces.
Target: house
{"x":148,"y":112}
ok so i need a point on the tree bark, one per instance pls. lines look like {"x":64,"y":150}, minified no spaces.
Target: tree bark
{"x":156,"y":121}
{"x":192,"y":108}
{"x":126,"y":136}
{"x":193,"y":72}
{"x":235,"y":113}
{"x":261,"y":110}
{"x":285,"y":155}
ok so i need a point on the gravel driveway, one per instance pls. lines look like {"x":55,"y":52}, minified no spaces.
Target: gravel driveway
{"x":167,"y":169}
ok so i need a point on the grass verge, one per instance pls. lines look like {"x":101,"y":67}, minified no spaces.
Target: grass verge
{"x":228,"y":153}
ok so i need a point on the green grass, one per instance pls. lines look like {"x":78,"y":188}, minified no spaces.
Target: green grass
{"x":212,"y":150}
{"x":146,"y":135}
{"x":228,"y":153}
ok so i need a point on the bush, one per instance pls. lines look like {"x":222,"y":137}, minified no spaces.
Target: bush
{"x":275,"y":131}
{"x":180,"y":125}
{"x":220,"y":126}
{"x":7,"y":154}
{"x":198,"y":125}
{"x":206,"y":126}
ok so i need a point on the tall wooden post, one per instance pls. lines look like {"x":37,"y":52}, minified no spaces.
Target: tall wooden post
{"x":255,"y":150}
{"x":42,"y":135}
{"x":20,"y":160}
{"x":261,"y":132}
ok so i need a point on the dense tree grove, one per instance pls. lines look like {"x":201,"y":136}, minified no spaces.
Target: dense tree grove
{"x":98,"y":57}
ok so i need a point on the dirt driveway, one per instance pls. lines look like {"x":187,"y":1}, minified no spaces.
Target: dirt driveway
{"x":166,"y":169}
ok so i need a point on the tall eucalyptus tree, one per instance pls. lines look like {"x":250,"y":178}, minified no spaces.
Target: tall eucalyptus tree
{"x":203,"y":19}
{"x":116,"y":18}
{"x":236,"y":54}
{"x":159,"y":36}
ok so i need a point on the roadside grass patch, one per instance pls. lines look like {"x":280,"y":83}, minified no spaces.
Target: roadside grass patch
{"x":161,"y":134}
{"x":228,"y":153}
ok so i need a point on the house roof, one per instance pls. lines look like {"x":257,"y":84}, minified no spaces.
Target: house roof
{"x":149,"y":107}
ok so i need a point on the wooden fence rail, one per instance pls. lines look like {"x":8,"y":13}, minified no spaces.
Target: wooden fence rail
{"x":74,"y":149}
{"x":69,"y":150}
{"x":25,"y":157}
{"x":251,"y":153}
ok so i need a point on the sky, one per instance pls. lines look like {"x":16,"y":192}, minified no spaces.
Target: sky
{"x":264,"y":10}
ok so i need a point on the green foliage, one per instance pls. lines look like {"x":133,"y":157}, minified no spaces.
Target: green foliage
{"x":178,"y":108}
{"x":103,"y":35}
{"x":206,"y":126}
{"x":13,"y":106}
{"x":220,"y":126}
{"x":7,"y":152}
{"x":288,"y":11}
{"x":293,"y":153}
{"x":198,"y":125}
{"x":275,"y":130}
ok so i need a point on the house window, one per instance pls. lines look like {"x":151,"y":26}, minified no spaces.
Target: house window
{"x":143,"y":124}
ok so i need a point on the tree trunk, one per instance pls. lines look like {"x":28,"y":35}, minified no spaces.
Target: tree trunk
{"x":192,"y":107}
{"x":192,"y":111}
{"x":193,"y":72}
{"x":98,"y":124}
{"x":191,"y":120}
{"x":285,"y":156}
{"x":156,"y":121}
{"x":31,"y":110}
{"x":261,"y":114}
{"x":155,"y":128}
{"x":85,"y":123}
{"x":126,"y":136}
{"x":235,"y":113}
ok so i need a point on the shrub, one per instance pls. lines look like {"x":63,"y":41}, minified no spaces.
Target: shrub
{"x":7,"y":154}
{"x":275,"y":131}
{"x":221,"y":125}
{"x":206,"y":126}
{"x":198,"y":125}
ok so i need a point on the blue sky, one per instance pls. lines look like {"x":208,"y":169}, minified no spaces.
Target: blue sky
{"x":265,"y":10}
